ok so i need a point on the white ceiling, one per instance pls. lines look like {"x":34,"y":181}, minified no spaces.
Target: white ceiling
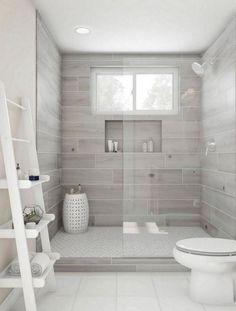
{"x":149,"y":26}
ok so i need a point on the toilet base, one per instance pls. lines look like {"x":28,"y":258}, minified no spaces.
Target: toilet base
{"x":212,"y":288}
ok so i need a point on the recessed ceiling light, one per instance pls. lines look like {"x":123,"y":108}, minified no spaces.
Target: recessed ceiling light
{"x":81,"y":30}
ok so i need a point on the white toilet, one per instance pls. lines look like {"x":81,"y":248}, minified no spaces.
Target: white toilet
{"x":213,"y":265}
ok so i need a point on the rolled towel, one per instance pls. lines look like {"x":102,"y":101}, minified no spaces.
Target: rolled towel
{"x":14,"y":268}
{"x":39,"y":262}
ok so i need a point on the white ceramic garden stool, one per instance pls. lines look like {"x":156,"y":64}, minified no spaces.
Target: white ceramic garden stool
{"x":213,"y":265}
{"x":75,"y":213}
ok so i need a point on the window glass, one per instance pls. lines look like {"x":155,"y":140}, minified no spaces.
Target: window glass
{"x":154,"y":91}
{"x":114,"y":93}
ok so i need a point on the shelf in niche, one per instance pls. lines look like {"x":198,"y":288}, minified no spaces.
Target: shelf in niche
{"x":132,"y":134}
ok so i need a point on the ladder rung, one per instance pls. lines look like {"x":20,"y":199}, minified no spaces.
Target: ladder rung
{"x":21,"y":140}
{"x":15,"y":104}
{"x":26,"y":184}
{"x":6,"y":231}
{"x":7,"y":281}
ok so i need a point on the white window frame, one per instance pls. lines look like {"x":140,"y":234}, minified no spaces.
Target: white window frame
{"x":134,"y":71}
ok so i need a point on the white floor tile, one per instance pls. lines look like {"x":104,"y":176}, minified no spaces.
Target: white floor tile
{"x":97,"y":287}
{"x":94,"y":303}
{"x":96,"y":274}
{"x":134,"y":274}
{"x":220,"y":308}
{"x":121,"y":292}
{"x":67,"y":286}
{"x":137,"y":304}
{"x":19,"y":306}
{"x":173,"y":295}
{"x":50,"y":302}
{"x":135,"y":286}
{"x":170,"y":275}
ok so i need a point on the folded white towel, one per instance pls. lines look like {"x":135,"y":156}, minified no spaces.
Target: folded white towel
{"x":38,"y":261}
{"x":39,"y":264}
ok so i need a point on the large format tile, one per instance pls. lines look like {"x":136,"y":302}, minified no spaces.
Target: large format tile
{"x":86,"y":176}
{"x":179,"y":129}
{"x":75,"y":99}
{"x":143,"y":160}
{"x":182,"y":160}
{"x":220,"y":308}
{"x":67,"y":286}
{"x":219,"y":181}
{"x":94,"y":303}
{"x":137,"y":304}
{"x":173,"y":295}
{"x":48,"y":302}
{"x":162,"y":192}
{"x":78,"y":161}
{"x":97,"y":287}
{"x":135,"y":286}
{"x":84,"y":129}
{"x":227,"y":162}
{"x":180,"y":145}
{"x":147,"y":176}
{"x":109,"y":160}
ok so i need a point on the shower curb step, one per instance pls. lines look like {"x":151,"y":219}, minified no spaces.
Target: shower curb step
{"x":118,"y":265}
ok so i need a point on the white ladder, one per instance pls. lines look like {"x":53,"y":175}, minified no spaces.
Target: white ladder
{"x":14,"y":186}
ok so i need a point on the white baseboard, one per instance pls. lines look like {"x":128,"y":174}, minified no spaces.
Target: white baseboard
{"x":11,"y":299}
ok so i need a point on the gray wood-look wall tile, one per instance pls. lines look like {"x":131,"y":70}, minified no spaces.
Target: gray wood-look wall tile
{"x":78,"y":161}
{"x":86,"y":176}
{"x":180,"y":129}
{"x":227,"y":162}
{"x":191,"y":114}
{"x":220,"y":200}
{"x":180,"y":145}
{"x":143,"y":160}
{"x":191,"y":176}
{"x":76,"y":99}
{"x":162,"y":192}
{"x":147,"y":176}
{"x":106,"y":207}
{"x":49,"y":121}
{"x":183,"y":160}
{"x":109,"y":160}
{"x":84,"y":158}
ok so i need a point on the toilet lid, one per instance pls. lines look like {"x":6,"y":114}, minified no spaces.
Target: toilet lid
{"x":208,"y":246}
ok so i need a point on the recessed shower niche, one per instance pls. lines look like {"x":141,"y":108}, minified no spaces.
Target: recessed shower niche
{"x":132,"y":135}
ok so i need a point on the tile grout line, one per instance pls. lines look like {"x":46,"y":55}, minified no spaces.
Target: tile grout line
{"x":156,"y":293}
{"x":116,"y":298}
{"x":76,"y":295}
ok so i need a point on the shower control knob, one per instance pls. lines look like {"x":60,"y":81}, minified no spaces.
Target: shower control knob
{"x":151,"y":175}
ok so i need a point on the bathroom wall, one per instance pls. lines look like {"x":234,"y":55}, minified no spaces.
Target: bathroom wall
{"x":173,"y":196}
{"x":49,"y":120}
{"x":218,"y":125}
{"x":17,"y":71}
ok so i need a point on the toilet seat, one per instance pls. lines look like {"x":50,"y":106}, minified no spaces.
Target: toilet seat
{"x":207,"y":246}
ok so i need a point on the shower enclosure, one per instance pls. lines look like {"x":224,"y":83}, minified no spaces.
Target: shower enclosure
{"x":161,"y":157}
{"x":173,"y":176}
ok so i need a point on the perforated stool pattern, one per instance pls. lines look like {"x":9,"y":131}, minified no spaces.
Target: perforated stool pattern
{"x":75,"y":213}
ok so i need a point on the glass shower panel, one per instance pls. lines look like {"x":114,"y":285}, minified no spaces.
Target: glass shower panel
{"x":161,"y":156}
{"x":140,"y":212}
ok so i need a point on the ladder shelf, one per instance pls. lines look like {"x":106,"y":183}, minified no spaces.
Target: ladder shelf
{"x":14,"y":186}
